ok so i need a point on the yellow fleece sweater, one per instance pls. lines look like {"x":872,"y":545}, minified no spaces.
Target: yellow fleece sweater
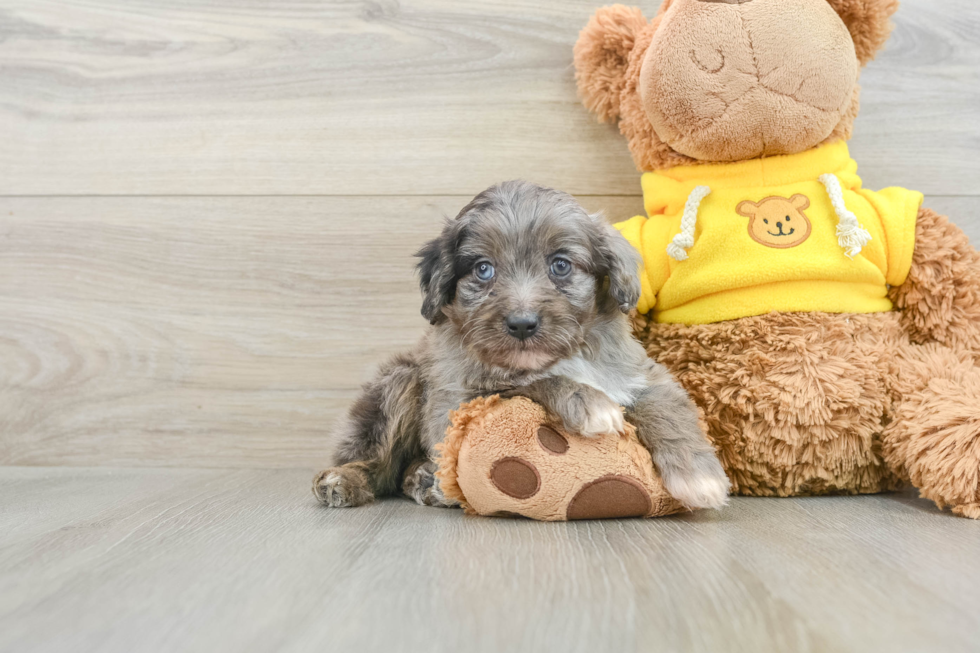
{"x":767,"y":236}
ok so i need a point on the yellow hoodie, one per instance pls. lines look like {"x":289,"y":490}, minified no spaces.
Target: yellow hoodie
{"x":787,"y":233}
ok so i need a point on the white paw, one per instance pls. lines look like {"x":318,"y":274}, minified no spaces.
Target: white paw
{"x":603,"y":418}
{"x":702,"y":491}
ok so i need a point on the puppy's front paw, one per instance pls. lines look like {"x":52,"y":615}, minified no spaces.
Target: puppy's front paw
{"x":603,"y":419}
{"x":342,"y":487}
{"x":698,"y":488}
{"x":422,"y":485}
{"x":591,"y":413}
{"x":700,"y":491}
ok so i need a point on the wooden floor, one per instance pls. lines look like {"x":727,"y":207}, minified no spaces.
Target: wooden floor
{"x":244,"y":560}
{"x":208,"y":210}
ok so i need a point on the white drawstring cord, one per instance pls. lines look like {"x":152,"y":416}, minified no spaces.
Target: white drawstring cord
{"x":683,"y":241}
{"x":850,"y":234}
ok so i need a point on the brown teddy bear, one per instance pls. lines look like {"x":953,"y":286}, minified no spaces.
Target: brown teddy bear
{"x":503,"y":457}
{"x":830,"y":334}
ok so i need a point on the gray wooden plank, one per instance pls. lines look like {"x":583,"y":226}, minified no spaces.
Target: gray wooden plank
{"x":210,"y":331}
{"x":964,"y":211}
{"x":215,"y":560}
{"x":201,"y":331}
{"x":414,"y":97}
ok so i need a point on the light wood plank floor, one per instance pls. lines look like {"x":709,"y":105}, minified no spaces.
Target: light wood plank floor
{"x":208,"y":210}
{"x":244,"y":560}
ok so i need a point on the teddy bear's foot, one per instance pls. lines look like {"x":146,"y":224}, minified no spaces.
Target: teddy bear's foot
{"x":971,"y":510}
{"x":933,"y":439}
{"x":422,"y":486}
{"x":342,"y":487}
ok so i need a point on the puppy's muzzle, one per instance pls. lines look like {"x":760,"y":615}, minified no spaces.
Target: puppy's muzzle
{"x":522,"y":326}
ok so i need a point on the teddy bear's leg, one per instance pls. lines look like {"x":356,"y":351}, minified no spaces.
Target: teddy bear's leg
{"x":667,"y":424}
{"x":793,"y":402}
{"x":933,"y":438}
{"x":421,"y":485}
{"x":940,"y":300}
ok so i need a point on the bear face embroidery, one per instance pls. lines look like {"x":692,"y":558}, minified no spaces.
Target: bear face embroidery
{"x":778,"y":222}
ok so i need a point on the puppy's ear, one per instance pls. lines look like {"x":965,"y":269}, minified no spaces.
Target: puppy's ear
{"x":869,"y":23}
{"x":602,"y":55}
{"x":619,"y":262}
{"x":437,"y":271}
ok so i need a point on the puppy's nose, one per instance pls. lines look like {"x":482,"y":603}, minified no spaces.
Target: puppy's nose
{"x":522,"y":326}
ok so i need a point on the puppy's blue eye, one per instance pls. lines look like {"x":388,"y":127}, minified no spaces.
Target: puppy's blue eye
{"x":484,"y":271}
{"x":561,"y":267}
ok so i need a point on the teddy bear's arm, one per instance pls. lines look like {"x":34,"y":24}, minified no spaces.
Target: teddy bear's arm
{"x":940,"y":299}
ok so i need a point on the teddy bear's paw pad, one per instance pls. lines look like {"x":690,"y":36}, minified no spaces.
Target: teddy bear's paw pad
{"x":552,"y":441}
{"x":610,"y":497}
{"x":516,"y":478}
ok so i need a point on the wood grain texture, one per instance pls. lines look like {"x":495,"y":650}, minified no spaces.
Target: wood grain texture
{"x":217,"y":330}
{"x":210,"y":560}
{"x":201,"y":331}
{"x":208,"y":331}
{"x":394,"y":98}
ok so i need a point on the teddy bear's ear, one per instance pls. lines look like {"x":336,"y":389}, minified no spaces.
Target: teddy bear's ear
{"x":869,"y":23}
{"x":747,"y":209}
{"x":602,"y":55}
{"x":800,"y":202}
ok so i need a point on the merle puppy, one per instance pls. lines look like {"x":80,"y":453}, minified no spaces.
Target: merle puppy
{"x":527,"y":295}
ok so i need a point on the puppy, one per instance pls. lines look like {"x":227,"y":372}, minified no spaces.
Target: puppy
{"x":527,"y":295}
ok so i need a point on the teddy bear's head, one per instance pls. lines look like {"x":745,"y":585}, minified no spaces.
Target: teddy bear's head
{"x":776,"y":221}
{"x":728,"y":80}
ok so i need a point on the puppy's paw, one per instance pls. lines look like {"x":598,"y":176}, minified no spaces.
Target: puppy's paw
{"x":603,"y":419}
{"x":421,"y":484}
{"x":591,"y":413}
{"x":698,"y":488}
{"x":699,"y":492}
{"x":342,"y":487}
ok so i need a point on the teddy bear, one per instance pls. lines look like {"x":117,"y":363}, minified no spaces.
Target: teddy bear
{"x":829,"y":334}
{"x":505,"y":457}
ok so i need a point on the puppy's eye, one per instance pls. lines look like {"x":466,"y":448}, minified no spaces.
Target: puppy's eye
{"x":766,"y":221}
{"x":484,"y":271}
{"x":560,"y":267}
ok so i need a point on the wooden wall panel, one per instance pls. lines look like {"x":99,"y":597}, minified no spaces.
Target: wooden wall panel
{"x":208,"y":209}
{"x":201,"y":331}
{"x":391,"y":98}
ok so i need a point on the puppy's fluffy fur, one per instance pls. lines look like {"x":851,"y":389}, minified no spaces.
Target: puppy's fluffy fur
{"x":527,"y":295}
